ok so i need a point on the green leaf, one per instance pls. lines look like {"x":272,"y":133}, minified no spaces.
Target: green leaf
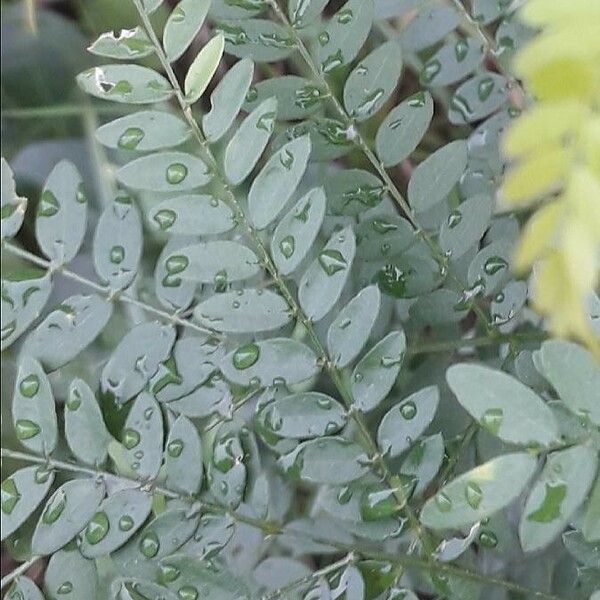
{"x":431,"y":23}
{"x":479,"y":493}
{"x":131,"y":588}
{"x":203,"y":68}
{"x":173,"y":292}
{"x":165,"y":172}
{"x":183,"y":457}
{"x":68,"y":330}
{"x":465,"y":226}
{"x":330,"y":460}
{"x":70,"y":576}
{"x":489,"y":269}
{"x":350,"y":330}
{"x":24,"y":589}
{"x":85,"y":431}
{"x":297,"y":97}
{"x":503,"y":405}
{"x":270,"y":362}
{"x":323,"y":282}
{"x":193,"y":575}
{"x":487,"y":11}
{"x":346,"y":32}
{"x":151,"y":5}
{"x":574,"y":374}
{"x":136,"y":359}
{"x":561,"y":488}
{"x":162,"y":536}
{"x":22,"y":493}
{"x":376,"y":372}
{"x":509,"y":302}
{"x":220,"y":262}
{"x":129,"y":84}
{"x":477,"y":98}
{"x":244,"y":311}
{"x":227,"y":99}
{"x":383,"y":236}
{"x":33,"y":411}
{"x":406,"y":421}
{"x":144,"y":131}
{"x":433,"y":179}
{"x":275,"y":572}
{"x":192,"y":362}
{"x":129,"y":44}
{"x":260,"y":39}
{"x":353,"y":191}
{"x":249,"y":141}
{"x":302,"y":416}
{"x":61,"y":214}
{"x":403,"y":128}
{"x":213,"y":534}
{"x":453,"y":61}
{"x":13,"y":206}
{"x":423,"y":461}
{"x":118,"y":517}
{"x":277,"y":181}
{"x":118,"y":242}
{"x":183,"y":25}
{"x":296,"y":233}
{"x":439,"y":307}
{"x":227,"y":471}
{"x":66,"y":513}
{"x":197,"y":214}
{"x":372,"y":81}
{"x":142,"y":436}
{"x":591,"y":520}
{"x":584,"y":552}
{"x":304,"y":12}
{"x":22,"y":303}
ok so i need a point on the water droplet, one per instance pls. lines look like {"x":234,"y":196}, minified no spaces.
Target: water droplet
{"x":252,"y":94}
{"x":367,"y":195}
{"x":42,"y":475}
{"x":26,"y":429}
{"x":130,"y":138}
{"x":176,"y":264}
{"x":369,"y":104}
{"x":65,"y":588}
{"x":461,"y":49}
{"x":430,"y":70}
{"x":345,"y":16}
{"x":117,"y":254}
{"x":169,"y":573}
{"x":494,"y":264}
{"x":175,"y":448}
{"x":74,"y":399}
{"x":97,"y":528}
{"x":461,"y":105}
{"x":473,"y":494}
{"x":308,"y":96}
{"x":377,"y":504}
{"x":323,"y":38}
{"x":220,"y":280}
{"x":332,"y":261}
{"x":80,"y":194}
{"x":492,"y":420}
{"x":443,"y":502}
{"x":488,"y":539}
{"x":345,"y":495}
{"x":188,"y":592}
{"x":266,"y":121}
{"x":176,"y":173}
{"x":332,"y":62}
{"x":245,"y":356}
{"x":390,"y":361}
{"x":54,"y":508}
{"x":149,"y":544}
{"x":29,"y":385}
{"x":382,"y":226}
{"x":10,"y":496}
{"x":48,"y":205}
{"x":131,"y":438}
{"x":287,"y":246}
{"x":392,"y":280}
{"x":454,"y":218}
{"x":165,"y":218}
{"x":408,"y":410}
{"x":148,"y":413}
{"x":485,"y":88}
{"x":286,"y":158}
{"x":126,"y":523}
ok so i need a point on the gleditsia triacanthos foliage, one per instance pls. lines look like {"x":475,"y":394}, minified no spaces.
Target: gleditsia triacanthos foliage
{"x":278,"y":378}
{"x":556,"y":145}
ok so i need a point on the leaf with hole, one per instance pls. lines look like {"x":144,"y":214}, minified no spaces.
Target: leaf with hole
{"x":13,"y":206}
{"x":129,"y":44}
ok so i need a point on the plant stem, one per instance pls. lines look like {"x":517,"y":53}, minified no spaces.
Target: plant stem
{"x":59,"y":111}
{"x":272,"y":528}
{"x":22,"y":568}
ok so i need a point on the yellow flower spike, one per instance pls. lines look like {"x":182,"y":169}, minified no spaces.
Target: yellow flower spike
{"x":557,"y":147}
